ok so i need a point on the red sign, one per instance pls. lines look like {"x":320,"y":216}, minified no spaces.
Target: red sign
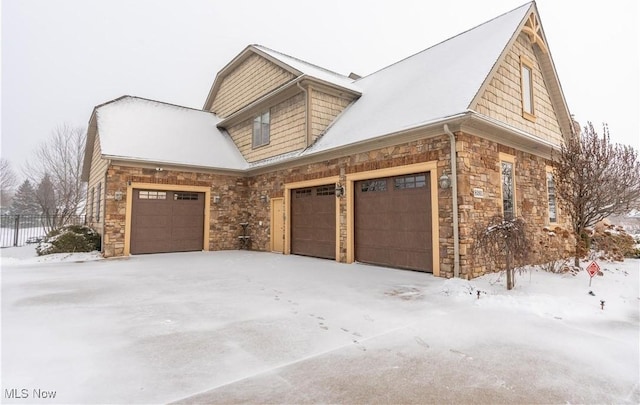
{"x":593,"y":269}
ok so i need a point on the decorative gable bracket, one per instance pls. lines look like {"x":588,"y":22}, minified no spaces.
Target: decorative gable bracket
{"x":534,"y":30}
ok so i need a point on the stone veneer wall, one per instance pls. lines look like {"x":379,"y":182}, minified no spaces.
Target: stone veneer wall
{"x":272,"y":183}
{"x":478,"y":167}
{"x":224,"y":219}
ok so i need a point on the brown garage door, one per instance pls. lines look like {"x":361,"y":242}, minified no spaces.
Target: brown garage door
{"x":313,"y":221}
{"x":393,"y":222}
{"x":166,"y":221}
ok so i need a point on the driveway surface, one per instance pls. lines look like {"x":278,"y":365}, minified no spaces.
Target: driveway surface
{"x":233,"y":327}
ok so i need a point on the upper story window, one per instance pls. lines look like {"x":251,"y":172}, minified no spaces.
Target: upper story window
{"x":507,"y":164}
{"x":526,"y":84}
{"x":261,"y":129}
{"x":551,"y":192}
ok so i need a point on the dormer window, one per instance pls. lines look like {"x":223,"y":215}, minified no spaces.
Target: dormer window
{"x":526,"y":85}
{"x":261,"y":129}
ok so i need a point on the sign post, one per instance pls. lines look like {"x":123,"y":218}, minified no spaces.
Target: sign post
{"x":592,"y":269}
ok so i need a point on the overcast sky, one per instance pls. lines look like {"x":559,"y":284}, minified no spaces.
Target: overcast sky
{"x":60,"y":58}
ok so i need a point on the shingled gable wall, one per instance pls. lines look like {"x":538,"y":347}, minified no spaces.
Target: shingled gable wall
{"x":502,"y":99}
{"x":252,"y":79}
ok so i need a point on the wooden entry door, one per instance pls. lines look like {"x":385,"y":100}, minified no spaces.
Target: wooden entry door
{"x":277,"y":225}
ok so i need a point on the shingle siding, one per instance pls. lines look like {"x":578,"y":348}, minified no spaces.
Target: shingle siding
{"x":96,"y":176}
{"x":502,"y":99}
{"x":324,"y":110}
{"x":255,"y":77}
{"x":287,"y":131}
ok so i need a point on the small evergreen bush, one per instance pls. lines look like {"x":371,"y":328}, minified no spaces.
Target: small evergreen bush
{"x":69,"y":239}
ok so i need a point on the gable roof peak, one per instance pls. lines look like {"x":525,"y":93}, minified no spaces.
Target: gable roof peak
{"x":445,"y":41}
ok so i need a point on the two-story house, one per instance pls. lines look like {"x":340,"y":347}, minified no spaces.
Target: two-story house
{"x":340,"y":167}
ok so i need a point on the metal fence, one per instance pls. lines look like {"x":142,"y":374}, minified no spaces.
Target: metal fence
{"x":18,"y":230}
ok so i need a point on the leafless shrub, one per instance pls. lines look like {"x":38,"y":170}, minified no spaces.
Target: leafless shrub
{"x":595,"y":179}
{"x":503,"y":244}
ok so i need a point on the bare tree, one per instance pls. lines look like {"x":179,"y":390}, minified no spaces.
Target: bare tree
{"x":57,"y":168}
{"x":503,"y":242}
{"x":8,"y":181}
{"x":595,"y":179}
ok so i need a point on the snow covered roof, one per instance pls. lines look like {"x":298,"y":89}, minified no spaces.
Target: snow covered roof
{"x":429,"y":86}
{"x":434,"y":86}
{"x":146,"y":130}
{"x":311,"y":70}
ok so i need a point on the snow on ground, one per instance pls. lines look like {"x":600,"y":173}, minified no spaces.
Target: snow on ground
{"x":237,"y":326}
{"x":24,"y":255}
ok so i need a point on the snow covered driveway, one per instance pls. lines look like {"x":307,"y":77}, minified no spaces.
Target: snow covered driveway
{"x":240,"y":326}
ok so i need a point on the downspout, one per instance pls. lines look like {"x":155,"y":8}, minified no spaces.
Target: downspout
{"x":306,"y":115}
{"x":454,"y":199}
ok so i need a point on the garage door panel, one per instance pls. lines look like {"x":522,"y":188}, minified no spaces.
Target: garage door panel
{"x":184,"y":221}
{"x":166,"y":221}
{"x":152,"y":221}
{"x":313,"y":221}
{"x":393,"y":222}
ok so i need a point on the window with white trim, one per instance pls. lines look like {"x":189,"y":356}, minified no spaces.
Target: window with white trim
{"x":551,"y":192}
{"x":508,"y":190}
{"x":261,"y":129}
{"x":526,"y":85}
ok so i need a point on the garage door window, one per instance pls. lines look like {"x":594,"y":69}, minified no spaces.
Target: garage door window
{"x":373,"y":185}
{"x":326,"y":190}
{"x":185,"y":196}
{"x":152,"y":195}
{"x":410,"y":182}
{"x":303,"y":193}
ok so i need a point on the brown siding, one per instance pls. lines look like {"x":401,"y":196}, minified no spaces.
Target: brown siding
{"x":252,"y":79}
{"x":324,"y":109}
{"x":287,"y":131}
{"x":502,"y":99}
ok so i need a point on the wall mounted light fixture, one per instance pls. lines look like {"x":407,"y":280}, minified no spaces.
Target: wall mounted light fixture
{"x":444,"y":181}
{"x":264,"y":198}
{"x":339,"y":190}
{"x":216,"y":199}
{"x":117,"y":195}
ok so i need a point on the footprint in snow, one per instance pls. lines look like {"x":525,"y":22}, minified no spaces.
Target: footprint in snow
{"x":464,"y":355}
{"x":421,"y":342}
{"x":368,"y":318}
{"x":344,"y":330}
{"x":359,"y":346}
